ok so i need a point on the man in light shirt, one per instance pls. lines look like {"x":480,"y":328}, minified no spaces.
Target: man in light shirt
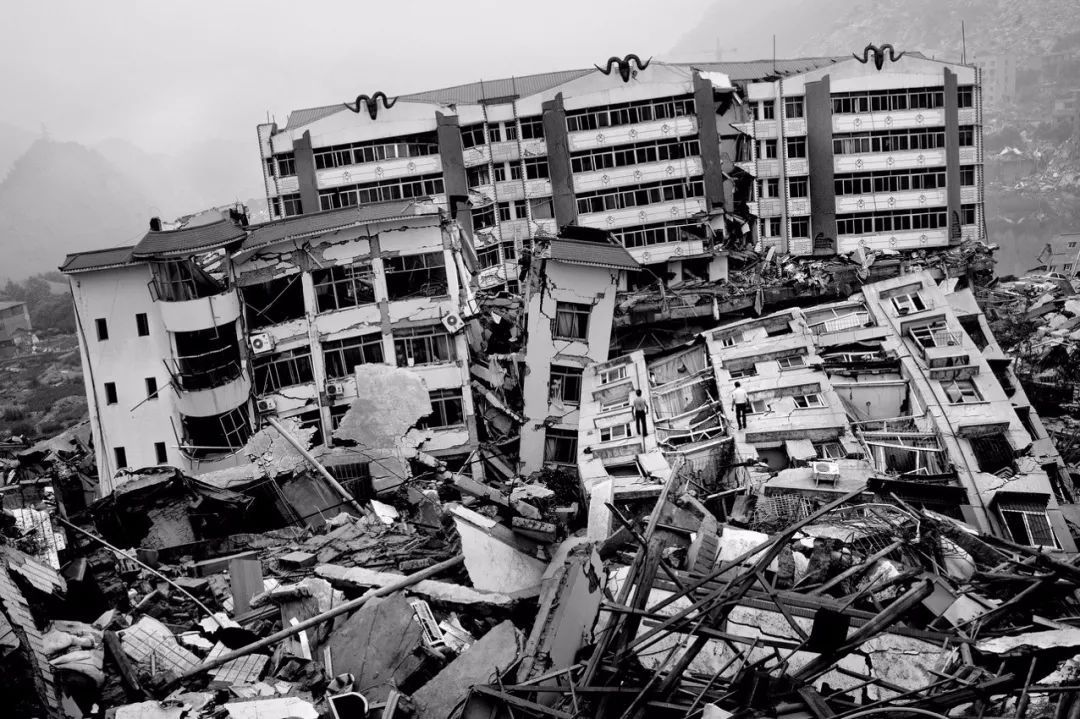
{"x":640,"y":408}
{"x":742,"y":406}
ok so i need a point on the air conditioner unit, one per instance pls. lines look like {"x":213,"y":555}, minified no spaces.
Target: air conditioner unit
{"x":826,"y":472}
{"x":335,"y":390}
{"x":261,"y":343}
{"x":452,"y":322}
{"x":264,"y":405}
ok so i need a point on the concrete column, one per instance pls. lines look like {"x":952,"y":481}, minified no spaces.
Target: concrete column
{"x":819,"y":148}
{"x":562,"y":184}
{"x":453,"y":164}
{"x":709,"y":140}
{"x":952,"y":156}
{"x":305,"y":173}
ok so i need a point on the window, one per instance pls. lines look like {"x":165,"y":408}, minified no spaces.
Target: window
{"x":286,"y":164}
{"x":475,"y":176}
{"x":270,"y":170}
{"x":344,"y":286}
{"x":416,"y":276}
{"x":488,"y":256}
{"x":342,"y":356}
{"x":790,"y":362}
{"x":151,"y":388}
{"x":493,"y":133}
{"x":142,"y":325}
{"x":571,"y":321}
{"x":613,"y":374}
{"x":773,"y":227}
{"x":1072,"y":244}
{"x":759,"y":406}
{"x":337,"y":412}
{"x":800,"y":227}
{"x":560,"y":446}
{"x":808,"y":401}
{"x":102,"y":329}
{"x":446,"y":409}
{"x":283,"y":369}
{"x":1067,"y":266}
{"x":120,"y":454}
{"x":796,"y":147}
{"x":161,"y":453}
{"x":967,"y":175}
{"x":965,"y":96}
{"x":799,"y":187}
{"x":619,"y":431}
{"x":312,"y":419}
{"x":730,"y":340}
{"x":110,"y":393}
{"x":769,"y":187}
{"x":565,"y":384}
{"x":423,"y":345}
{"x":1028,"y":524}
{"x":628,"y":113}
{"x":536,"y":169}
{"x":768,"y":110}
{"x":542,"y":208}
{"x":793,"y":107}
{"x":472,"y":135}
{"x":967,"y":136}
{"x":906,"y":303}
{"x":382,"y":191}
{"x":829,"y":450}
{"x":291,"y":205}
{"x":532,"y":128}
{"x":967,"y":214}
{"x":275,"y":301}
{"x":768,"y":149}
{"x":961,"y":391}
{"x":748,"y":371}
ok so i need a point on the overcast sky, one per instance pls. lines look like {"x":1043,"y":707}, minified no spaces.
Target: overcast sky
{"x":163,"y":74}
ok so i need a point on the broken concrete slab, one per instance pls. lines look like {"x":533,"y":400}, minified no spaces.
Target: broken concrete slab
{"x":1029,"y":641}
{"x":378,"y":645}
{"x":494,"y":557}
{"x":277,"y":708}
{"x":442,"y":592}
{"x":297,"y":560}
{"x":149,"y":642}
{"x":492,"y":654}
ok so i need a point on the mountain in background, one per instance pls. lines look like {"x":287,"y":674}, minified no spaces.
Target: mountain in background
{"x":61,"y":197}
{"x":14,"y":141}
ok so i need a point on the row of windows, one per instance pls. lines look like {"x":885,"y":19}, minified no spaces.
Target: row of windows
{"x":112,"y":397}
{"x":923,"y":98}
{"x":506,"y":211}
{"x":659,"y":151}
{"x":627,"y":113}
{"x":374,"y":150}
{"x":283,"y":165}
{"x":653,"y":234}
{"x":890,"y":141}
{"x":385,"y":191}
{"x":795,"y":146}
{"x":895,"y":181}
{"x":142,"y":326}
{"x":287,"y":206}
{"x":491,"y":255}
{"x":620,"y":199}
{"x":793,"y":107}
{"x":532,"y":128}
{"x":161,"y":454}
{"x":895,"y":221}
{"x":800,"y":227}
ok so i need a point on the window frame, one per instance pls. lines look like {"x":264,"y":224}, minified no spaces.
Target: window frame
{"x":561,"y":379}
{"x":813,"y":400}
{"x":553,"y":436}
{"x":578,"y":331}
{"x":431,"y":338}
{"x":338,"y":352}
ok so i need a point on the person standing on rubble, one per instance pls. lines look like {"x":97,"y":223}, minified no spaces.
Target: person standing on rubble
{"x":640,"y":408}
{"x":742,"y":406}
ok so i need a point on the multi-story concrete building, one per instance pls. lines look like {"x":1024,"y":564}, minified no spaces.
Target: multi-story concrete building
{"x":14,"y":318}
{"x":642,"y":149}
{"x":884,"y":154}
{"x":1061,"y":255}
{"x":998,"y":79}
{"x":190,"y":335}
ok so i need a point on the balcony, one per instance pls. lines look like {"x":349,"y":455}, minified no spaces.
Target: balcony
{"x":871,"y":161}
{"x":200,"y":313}
{"x":377,"y":171}
{"x":627,"y":134}
{"x":478,"y":155}
{"x":797,"y":166}
{"x":969,"y":195}
{"x":766,"y":207}
{"x":894,"y":120}
{"x":228,"y":394}
{"x":534,"y":148}
{"x":668,"y":251}
{"x":514,"y":229}
{"x":794,"y":126}
{"x":762,"y":129}
{"x":912,"y":240}
{"x":885,"y":201}
{"x":636,"y":174}
{"x":968,"y":156}
{"x":798,"y":206}
{"x":662,"y":212}
{"x":966,"y":116}
{"x":506,"y":151}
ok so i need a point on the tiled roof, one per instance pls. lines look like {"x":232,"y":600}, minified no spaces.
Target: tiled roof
{"x":330,"y":220}
{"x":188,"y":240}
{"x":474,"y":92}
{"x":97,"y":259}
{"x":299,"y":118}
{"x":595,"y":254}
{"x":760,"y":69}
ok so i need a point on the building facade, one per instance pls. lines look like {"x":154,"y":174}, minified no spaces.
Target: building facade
{"x":14,"y":319}
{"x":880,"y":154}
{"x":191,"y":335}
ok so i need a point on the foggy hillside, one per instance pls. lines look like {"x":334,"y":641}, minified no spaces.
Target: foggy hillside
{"x":14,"y":141}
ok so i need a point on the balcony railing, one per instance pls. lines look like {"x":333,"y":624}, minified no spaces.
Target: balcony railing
{"x":838,"y":324}
{"x":208,"y":370}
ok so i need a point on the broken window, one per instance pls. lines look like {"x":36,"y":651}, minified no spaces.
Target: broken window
{"x":312,"y":419}
{"x":102,"y":329}
{"x":790,"y":362}
{"x":476,"y":176}
{"x":1028,"y":524}
{"x":571,"y":321}
{"x":446,"y":409}
{"x":273,"y":302}
{"x":796,"y":147}
{"x":934,"y":334}
{"x":565,"y":384}
{"x":344,"y":286}
{"x":484,"y":217}
{"x":641,"y":195}
{"x":808,"y":401}
{"x":342,"y":356}
{"x":382,"y":191}
{"x":961,"y":391}
{"x":829,"y":450}
{"x":618,"y":431}
{"x":910,"y":302}
{"x":614,"y":374}
{"x":488,"y":256}
{"x":473,"y":135}
{"x":215,"y":434}
{"x":120,"y":455}
{"x":423,"y":345}
{"x":207,"y":358}
{"x":993,"y":452}
{"x":337,"y":412}
{"x":731,"y":339}
{"x":793,"y":106}
{"x":142,"y":324}
{"x":284,"y":369}
{"x":110,"y":393}
{"x":161,"y":453}
{"x":974,"y":330}
{"x":355,"y":477}
{"x":542,"y":208}
{"x":759,"y":406}
{"x":416,"y":276}
{"x":560,"y":446}
{"x":748,"y":371}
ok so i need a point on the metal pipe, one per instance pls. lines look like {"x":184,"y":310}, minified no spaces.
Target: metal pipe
{"x":342,"y":492}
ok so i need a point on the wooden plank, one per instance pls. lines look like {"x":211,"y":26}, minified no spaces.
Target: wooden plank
{"x":214,"y":566}
{"x":245,"y":580}
{"x":814,"y":701}
{"x":128,"y":675}
{"x":471,"y":486}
